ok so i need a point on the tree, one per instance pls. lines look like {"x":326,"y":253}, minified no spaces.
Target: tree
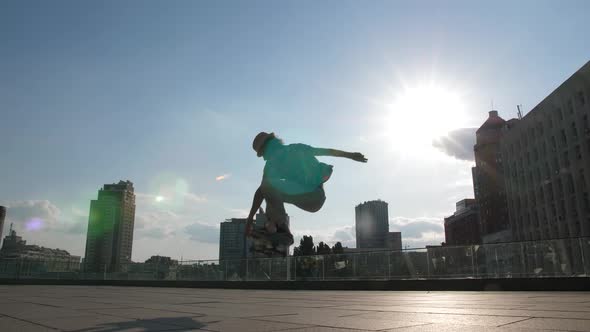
{"x":305,"y":248}
{"x":323,"y":249}
{"x":337,"y":248}
{"x":160,"y":265}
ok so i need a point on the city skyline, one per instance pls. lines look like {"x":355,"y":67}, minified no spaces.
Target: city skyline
{"x":173,"y":104}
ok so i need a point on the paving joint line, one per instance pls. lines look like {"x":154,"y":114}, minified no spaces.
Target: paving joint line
{"x":403,"y":327}
{"x":275,"y":315}
{"x":304,"y":326}
{"x":42,"y":304}
{"x":31,"y":322}
{"x":518,"y":321}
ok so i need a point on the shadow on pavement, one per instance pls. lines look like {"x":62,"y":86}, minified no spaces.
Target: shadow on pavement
{"x":155,"y":324}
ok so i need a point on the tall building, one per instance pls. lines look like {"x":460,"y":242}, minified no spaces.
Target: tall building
{"x":110,"y":228}
{"x":546,"y":159}
{"x":462,"y":228}
{"x":2,"y":216}
{"x":372,"y":224}
{"x":232,"y":242}
{"x":488,"y":180}
{"x":393,"y":241}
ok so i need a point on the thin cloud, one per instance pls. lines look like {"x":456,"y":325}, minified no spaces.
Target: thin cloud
{"x":346,"y":235}
{"x":239,"y":213}
{"x":457,"y":143}
{"x":156,"y":224}
{"x":32,"y":215}
{"x":418,"y":232}
{"x":202,"y":232}
{"x":194,"y":198}
{"x":144,"y":198}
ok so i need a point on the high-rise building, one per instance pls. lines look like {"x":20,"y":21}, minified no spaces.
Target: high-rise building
{"x":393,"y":241}
{"x":546,"y":159}
{"x":232,"y":242}
{"x":2,"y":216}
{"x":110,"y":228}
{"x":488,"y":180}
{"x":372,"y":224}
{"x":462,"y":228}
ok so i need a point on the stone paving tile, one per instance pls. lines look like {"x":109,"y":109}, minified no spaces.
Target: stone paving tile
{"x":327,"y":329}
{"x":245,"y":312}
{"x":141,"y":313}
{"x":443,"y":318}
{"x":28,"y":311}
{"x":556,"y":324}
{"x":302,"y":304}
{"x":10,"y":324}
{"x":343,"y":322}
{"x":467,"y":328}
{"x":104,"y":308}
{"x":249,"y":325}
{"x":477,"y":311}
{"x":110,"y":323}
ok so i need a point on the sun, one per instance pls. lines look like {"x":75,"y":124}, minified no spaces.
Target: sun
{"x":420,"y":114}
{"x":159,"y":198}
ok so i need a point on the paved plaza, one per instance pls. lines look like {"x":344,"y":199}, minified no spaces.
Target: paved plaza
{"x":102,"y":308}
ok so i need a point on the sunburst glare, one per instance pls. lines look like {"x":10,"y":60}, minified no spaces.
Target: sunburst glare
{"x":419,"y":114}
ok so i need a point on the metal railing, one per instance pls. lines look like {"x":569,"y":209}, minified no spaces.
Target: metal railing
{"x":533,"y":259}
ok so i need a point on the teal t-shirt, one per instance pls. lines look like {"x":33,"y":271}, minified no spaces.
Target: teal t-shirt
{"x":293,"y":169}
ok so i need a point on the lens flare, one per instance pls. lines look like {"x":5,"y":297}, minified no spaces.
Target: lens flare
{"x":222,"y":177}
{"x":168,"y":191}
{"x":34,"y":224}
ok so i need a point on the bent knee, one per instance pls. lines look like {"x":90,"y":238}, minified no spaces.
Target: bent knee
{"x":315,"y":207}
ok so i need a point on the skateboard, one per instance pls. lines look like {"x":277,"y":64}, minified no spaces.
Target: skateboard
{"x":270,"y":245}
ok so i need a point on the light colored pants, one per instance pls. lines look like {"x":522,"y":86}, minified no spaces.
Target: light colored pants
{"x":275,"y":205}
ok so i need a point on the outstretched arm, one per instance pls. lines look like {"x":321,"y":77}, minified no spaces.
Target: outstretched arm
{"x":357,"y":156}
{"x":256,"y":202}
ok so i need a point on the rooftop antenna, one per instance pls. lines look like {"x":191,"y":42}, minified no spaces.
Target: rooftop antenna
{"x":519,"y":111}
{"x":492,"y":104}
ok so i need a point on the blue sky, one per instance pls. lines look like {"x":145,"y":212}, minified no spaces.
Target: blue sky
{"x":170,"y":94}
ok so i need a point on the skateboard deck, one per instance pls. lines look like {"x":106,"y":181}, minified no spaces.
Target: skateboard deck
{"x":269,"y":245}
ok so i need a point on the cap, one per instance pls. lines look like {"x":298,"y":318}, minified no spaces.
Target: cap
{"x":260,"y":140}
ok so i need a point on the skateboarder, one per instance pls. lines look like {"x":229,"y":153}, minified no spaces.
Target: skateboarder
{"x":292,"y":174}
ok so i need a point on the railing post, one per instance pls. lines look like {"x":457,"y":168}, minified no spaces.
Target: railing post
{"x":497,"y":264}
{"x":523,"y":260}
{"x":582,"y":255}
{"x":288,"y":263}
{"x":246,"y":269}
{"x":472,"y":261}
{"x":323,"y":268}
{"x":427,"y":263}
{"x":20,"y":266}
{"x":388,"y":265}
